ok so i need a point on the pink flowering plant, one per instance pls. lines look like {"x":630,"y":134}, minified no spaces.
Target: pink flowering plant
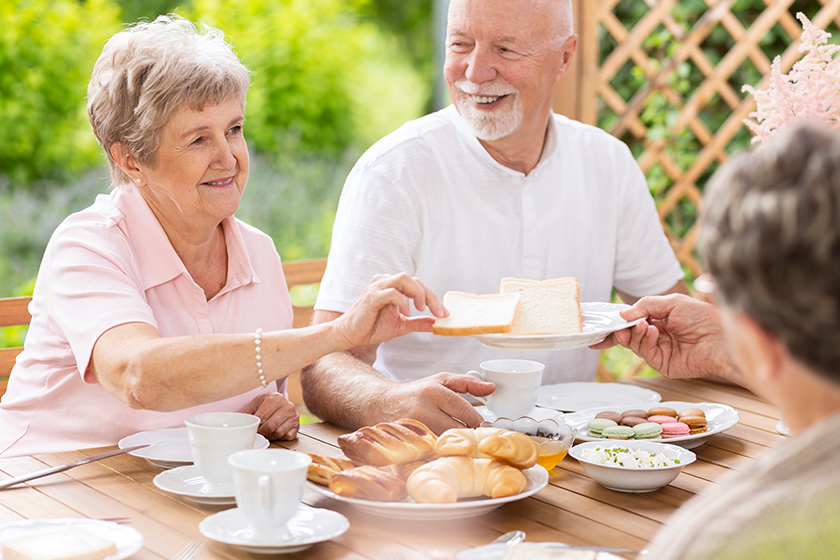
{"x":811,"y":90}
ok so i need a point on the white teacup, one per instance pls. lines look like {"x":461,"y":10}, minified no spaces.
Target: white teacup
{"x":268,"y":487}
{"x":215,"y":436}
{"x":517,"y":386}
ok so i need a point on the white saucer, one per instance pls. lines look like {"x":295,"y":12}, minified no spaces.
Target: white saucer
{"x":308,"y":526}
{"x":577,"y":396}
{"x":169,"y":447}
{"x":188,"y":482}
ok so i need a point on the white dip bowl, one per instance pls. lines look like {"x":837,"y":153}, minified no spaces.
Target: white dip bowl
{"x":631,"y":479}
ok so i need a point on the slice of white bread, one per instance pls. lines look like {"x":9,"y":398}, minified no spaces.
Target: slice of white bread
{"x":72,"y":543}
{"x":471,"y":314}
{"x":528,"y":551}
{"x":545,"y":307}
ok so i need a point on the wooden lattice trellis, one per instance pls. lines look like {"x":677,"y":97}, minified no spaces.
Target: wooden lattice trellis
{"x":587,"y":91}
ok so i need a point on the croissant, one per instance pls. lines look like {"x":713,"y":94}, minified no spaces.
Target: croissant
{"x":322,"y":468}
{"x":513,"y":448}
{"x":369,"y":483}
{"x":447,"y":479}
{"x":389,"y":443}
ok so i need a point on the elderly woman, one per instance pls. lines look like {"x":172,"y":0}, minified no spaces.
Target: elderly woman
{"x":155,"y":303}
{"x":771,"y":238}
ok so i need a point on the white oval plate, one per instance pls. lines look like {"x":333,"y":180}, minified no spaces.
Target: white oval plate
{"x":169,"y":447}
{"x":188,"y":482}
{"x":599,"y":320}
{"x":719,"y":417}
{"x":574,"y":397}
{"x":409,"y":509}
{"x":127,"y":540}
{"x":497,"y":552}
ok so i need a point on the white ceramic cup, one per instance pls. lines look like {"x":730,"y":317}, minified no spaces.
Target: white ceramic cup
{"x":517,"y":386}
{"x":215,"y":436}
{"x":268,"y":487}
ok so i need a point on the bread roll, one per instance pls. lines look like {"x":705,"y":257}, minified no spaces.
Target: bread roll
{"x":513,"y":448}
{"x":389,"y":443}
{"x":322,"y":468}
{"x":471,"y":314}
{"x":368,"y":483}
{"x":547,"y":307}
{"x":447,"y":479}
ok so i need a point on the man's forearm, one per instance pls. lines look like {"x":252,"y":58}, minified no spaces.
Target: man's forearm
{"x":343,"y":389}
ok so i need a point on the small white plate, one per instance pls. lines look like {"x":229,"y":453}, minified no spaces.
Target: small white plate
{"x":127,"y":540}
{"x":574,"y":397}
{"x":719,"y":417}
{"x":169,"y":447}
{"x":409,"y":509}
{"x":497,"y":552}
{"x":599,"y":320}
{"x":308,"y":526}
{"x":188,"y":482}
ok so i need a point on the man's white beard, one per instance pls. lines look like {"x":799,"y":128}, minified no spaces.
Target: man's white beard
{"x":489,"y":124}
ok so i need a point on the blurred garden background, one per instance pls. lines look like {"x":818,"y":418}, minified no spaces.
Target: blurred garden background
{"x":333,"y":76}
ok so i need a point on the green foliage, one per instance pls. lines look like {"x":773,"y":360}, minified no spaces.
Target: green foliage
{"x":133,"y":10}
{"x":47,"y":51}
{"x":310,"y":58}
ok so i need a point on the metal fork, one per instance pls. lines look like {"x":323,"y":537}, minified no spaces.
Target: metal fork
{"x":190,"y":551}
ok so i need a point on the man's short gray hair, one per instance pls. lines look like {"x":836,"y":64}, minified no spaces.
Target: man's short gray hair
{"x":771,"y":239}
{"x":146,"y":72}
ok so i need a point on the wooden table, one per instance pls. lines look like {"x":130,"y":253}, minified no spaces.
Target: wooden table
{"x":571,"y":509}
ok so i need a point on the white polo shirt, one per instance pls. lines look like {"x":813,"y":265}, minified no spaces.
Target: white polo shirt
{"x":430,"y":201}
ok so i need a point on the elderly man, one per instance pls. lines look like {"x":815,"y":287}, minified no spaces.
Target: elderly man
{"x":495,"y":185}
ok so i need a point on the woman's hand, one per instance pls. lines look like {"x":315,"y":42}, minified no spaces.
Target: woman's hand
{"x":383,"y":311}
{"x":278,"y":417}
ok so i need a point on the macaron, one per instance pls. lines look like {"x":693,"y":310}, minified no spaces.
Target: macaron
{"x":662,"y":411}
{"x":618,"y":432}
{"x":692,"y":412}
{"x":675,"y":430}
{"x":659,"y":419}
{"x":647,"y":430}
{"x":697,"y":424}
{"x":597,"y":425}
{"x":636,"y":413}
{"x":632,"y":421}
{"x":614,"y":416}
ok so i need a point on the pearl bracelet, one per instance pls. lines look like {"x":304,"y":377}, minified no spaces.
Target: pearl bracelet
{"x":258,"y":349}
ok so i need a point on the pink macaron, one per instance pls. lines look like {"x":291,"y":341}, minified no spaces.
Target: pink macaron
{"x":674,"y":430}
{"x":659,"y":419}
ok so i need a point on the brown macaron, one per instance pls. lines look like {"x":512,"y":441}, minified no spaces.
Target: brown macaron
{"x":697,"y":424}
{"x":614,"y":416}
{"x":634,"y":414}
{"x":632,"y":421}
{"x":692,"y":412}
{"x":662,"y":411}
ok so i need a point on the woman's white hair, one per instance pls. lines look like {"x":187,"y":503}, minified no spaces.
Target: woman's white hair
{"x":146,"y":72}
{"x":771,"y":239}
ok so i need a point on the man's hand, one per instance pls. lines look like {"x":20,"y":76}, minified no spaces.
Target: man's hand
{"x":435,"y":401}
{"x":278,"y":417}
{"x":681,"y":338}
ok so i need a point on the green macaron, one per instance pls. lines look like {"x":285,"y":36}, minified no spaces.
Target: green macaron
{"x":618,"y":432}
{"x":597,"y":425}
{"x":647,"y":430}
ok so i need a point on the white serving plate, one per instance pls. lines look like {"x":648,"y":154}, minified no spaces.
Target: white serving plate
{"x":409,"y":509}
{"x":719,"y":417}
{"x":127,"y":539}
{"x":599,"y":320}
{"x":497,"y":552}
{"x":578,"y":396}
{"x":624,"y":479}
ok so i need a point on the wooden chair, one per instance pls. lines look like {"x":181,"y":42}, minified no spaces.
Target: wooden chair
{"x":14,"y":312}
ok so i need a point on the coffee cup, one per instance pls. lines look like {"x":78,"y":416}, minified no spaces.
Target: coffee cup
{"x":517,"y":386}
{"x":215,"y":436}
{"x":268,"y":485}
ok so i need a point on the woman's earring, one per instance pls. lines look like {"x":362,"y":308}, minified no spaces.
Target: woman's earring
{"x":137,"y":180}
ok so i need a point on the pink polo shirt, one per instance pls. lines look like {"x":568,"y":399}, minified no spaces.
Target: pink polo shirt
{"x":113,"y":264}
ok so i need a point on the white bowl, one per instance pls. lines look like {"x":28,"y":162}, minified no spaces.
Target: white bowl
{"x":626,"y":479}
